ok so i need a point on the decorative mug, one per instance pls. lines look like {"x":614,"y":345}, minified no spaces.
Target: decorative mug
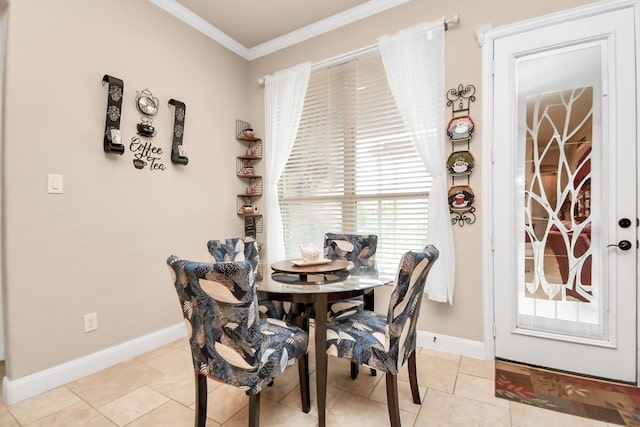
{"x":460,"y":166}
{"x":145,"y":129}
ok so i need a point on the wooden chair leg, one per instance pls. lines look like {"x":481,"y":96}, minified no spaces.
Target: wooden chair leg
{"x":355,"y":368}
{"x":303,"y":373}
{"x":201,"y":400}
{"x":413,"y":378}
{"x":392,"y":400}
{"x":254,"y":410}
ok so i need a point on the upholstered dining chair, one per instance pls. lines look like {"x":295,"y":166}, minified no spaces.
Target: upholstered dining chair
{"x":229,"y":341}
{"x":360,"y":251}
{"x":386,"y":342}
{"x":241,"y":249}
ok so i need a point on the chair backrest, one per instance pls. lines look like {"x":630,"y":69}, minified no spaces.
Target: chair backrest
{"x":236,"y":249}
{"x":358,"y":249}
{"x":405,"y":301}
{"x":220,"y":309}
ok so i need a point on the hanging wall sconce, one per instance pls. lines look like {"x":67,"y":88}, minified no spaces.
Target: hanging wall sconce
{"x":112,"y":137}
{"x":178,"y":152}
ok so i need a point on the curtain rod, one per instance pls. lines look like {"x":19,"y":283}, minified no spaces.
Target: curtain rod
{"x":358,"y":52}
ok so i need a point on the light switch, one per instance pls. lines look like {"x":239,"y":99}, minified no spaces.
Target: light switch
{"x":54,"y":183}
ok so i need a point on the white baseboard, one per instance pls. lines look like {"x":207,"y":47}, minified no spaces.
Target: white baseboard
{"x":13,"y":391}
{"x":462,"y":346}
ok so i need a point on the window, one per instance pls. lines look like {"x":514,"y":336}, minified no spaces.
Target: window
{"x":353,"y":168}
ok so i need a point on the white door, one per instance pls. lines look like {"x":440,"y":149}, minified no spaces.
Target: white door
{"x":564,"y":193}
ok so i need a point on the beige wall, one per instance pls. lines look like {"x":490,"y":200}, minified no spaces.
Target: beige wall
{"x":102,"y":245}
{"x":463,"y":66}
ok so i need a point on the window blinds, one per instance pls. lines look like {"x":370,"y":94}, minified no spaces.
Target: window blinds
{"x":353,"y":168}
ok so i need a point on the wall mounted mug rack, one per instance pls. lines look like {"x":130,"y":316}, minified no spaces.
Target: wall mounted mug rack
{"x":112,"y":140}
{"x":178,"y":152}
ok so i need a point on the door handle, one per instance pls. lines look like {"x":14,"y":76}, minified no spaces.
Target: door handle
{"x":624,"y":245}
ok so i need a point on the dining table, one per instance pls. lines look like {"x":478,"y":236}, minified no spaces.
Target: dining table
{"x":319,"y":293}
{"x":304,"y":269}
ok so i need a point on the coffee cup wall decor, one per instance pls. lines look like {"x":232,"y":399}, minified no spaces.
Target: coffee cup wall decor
{"x":460,"y":128}
{"x":460,"y":163}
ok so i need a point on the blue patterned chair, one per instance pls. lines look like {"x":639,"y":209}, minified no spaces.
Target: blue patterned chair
{"x":360,"y":252}
{"x":237,"y":249}
{"x":386,"y":342}
{"x":229,"y":341}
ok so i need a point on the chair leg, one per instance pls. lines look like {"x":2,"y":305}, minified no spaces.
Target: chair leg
{"x":392,"y":400}
{"x":201,"y":400}
{"x":355,"y":368}
{"x":413,"y":378}
{"x":254,"y":410}
{"x":303,"y":373}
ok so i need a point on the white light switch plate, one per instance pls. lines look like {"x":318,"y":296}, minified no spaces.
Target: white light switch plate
{"x":54,"y":183}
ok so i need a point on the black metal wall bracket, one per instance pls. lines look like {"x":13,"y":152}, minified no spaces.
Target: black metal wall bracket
{"x":178,"y":153}
{"x":112,"y":137}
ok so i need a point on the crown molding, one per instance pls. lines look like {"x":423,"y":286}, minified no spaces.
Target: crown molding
{"x":323,"y":26}
{"x":174,"y":8}
{"x":328,"y":24}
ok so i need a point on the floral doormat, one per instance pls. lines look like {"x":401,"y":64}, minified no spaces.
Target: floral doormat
{"x":601,"y":400}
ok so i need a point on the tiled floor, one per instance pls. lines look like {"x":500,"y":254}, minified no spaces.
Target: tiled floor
{"x":156,"y":389}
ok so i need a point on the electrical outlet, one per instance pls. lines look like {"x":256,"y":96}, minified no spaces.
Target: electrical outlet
{"x":90,"y":322}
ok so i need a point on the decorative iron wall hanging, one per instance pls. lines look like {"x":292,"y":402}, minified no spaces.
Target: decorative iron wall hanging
{"x":461,"y":162}
{"x":112,"y":142}
{"x":178,"y":153}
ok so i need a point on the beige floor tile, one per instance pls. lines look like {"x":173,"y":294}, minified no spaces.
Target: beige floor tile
{"x":437,"y":353}
{"x":181,"y":344}
{"x":478,"y":367}
{"x":405,"y":399}
{"x":293,"y":399}
{"x":170,"y":362}
{"x":273,"y":414}
{"x":433,"y":372}
{"x":481,"y":389}
{"x":6,"y":418}
{"x":169,"y":414}
{"x":339,"y":376}
{"x":526,"y":415}
{"x":78,"y":415}
{"x":444,"y":409}
{"x":224,"y":402}
{"x":109,"y":384}
{"x":43,"y":405}
{"x":179,"y":386}
{"x":133,"y":405}
{"x":352,"y":410}
{"x":157,"y":389}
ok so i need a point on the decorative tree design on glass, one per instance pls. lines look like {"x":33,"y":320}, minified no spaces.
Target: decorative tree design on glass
{"x":557,"y":195}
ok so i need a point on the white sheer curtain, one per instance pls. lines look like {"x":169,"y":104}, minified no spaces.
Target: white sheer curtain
{"x":284,"y":99}
{"x":414,"y":63}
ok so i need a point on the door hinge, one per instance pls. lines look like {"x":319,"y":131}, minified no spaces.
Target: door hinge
{"x":493,"y":67}
{"x":493,"y":155}
{"x":493,"y":243}
{"x":494,"y":329}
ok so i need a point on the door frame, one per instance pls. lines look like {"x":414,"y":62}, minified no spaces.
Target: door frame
{"x":488,"y":148}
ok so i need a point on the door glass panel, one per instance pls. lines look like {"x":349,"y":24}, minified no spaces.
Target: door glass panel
{"x":560,"y":290}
